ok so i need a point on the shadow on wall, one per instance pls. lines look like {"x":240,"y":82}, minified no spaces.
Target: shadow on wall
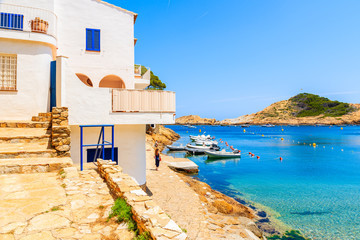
{"x":112,"y":81}
{"x":85,"y":79}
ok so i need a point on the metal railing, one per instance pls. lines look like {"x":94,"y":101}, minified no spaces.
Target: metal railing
{"x":28,"y":19}
{"x":137,"y":72}
{"x":124,"y":100}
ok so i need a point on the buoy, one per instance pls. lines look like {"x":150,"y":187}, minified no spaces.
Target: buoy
{"x":282,"y":129}
{"x":244,"y":130}
{"x":282,"y":139}
{"x":200,"y":130}
{"x":257,"y":157}
{"x":249,"y":153}
{"x":341,"y":128}
{"x":281,"y":158}
{"x":314,"y":144}
{"x":262,"y":135}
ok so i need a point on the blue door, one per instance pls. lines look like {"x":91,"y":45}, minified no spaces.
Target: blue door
{"x":52,"y":85}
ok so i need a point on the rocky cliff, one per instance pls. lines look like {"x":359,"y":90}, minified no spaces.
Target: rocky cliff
{"x":195,"y":120}
{"x":164,"y":136}
{"x":303,"y":109}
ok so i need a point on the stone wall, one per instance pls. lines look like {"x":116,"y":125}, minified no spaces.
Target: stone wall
{"x":148,"y":215}
{"x":60,"y":131}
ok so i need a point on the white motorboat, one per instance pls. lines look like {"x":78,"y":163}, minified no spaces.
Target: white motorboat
{"x":198,"y":147}
{"x":223,"y":154}
{"x":206,"y":143}
{"x":200,"y":137}
{"x":268,"y":125}
{"x":176,"y":148}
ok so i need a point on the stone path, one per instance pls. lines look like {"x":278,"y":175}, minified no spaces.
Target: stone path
{"x":176,"y":198}
{"x":51,"y":206}
{"x":185,"y":207}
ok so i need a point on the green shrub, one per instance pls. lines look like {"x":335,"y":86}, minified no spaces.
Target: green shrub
{"x":308,"y":104}
{"x":143,"y":236}
{"x":122,"y":211}
{"x":289,"y":235}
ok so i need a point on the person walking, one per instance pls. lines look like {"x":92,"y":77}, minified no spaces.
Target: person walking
{"x":157,"y":158}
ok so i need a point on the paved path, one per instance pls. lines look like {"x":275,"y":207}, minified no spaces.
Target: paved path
{"x":176,"y":198}
{"x":45,"y":206}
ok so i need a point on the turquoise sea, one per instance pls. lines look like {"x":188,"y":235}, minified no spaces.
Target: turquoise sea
{"x":313,"y":189}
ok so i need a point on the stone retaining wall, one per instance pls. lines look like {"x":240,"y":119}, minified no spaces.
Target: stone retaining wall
{"x":60,"y":131}
{"x":148,"y":215}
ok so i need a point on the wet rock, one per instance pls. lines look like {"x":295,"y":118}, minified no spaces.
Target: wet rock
{"x":263,"y":220}
{"x":262,"y":214}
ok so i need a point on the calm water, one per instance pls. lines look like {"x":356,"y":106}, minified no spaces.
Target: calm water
{"x":314,"y":189}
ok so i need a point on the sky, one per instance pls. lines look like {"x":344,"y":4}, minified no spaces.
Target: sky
{"x":229,"y":58}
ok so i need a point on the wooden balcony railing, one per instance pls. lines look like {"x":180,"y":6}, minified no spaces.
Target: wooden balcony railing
{"x":152,"y":101}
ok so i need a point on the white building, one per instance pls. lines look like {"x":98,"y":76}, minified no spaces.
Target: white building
{"x":86,"y":48}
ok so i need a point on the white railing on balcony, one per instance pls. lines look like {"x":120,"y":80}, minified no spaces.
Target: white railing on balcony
{"x":145,"y":76}
{"x":27,"y":19}
{"x":143,"y":101}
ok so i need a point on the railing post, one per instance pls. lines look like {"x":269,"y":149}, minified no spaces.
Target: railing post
{"x":112,"y":143}
{"x":103,"y":142}
{"x":81,"y":148}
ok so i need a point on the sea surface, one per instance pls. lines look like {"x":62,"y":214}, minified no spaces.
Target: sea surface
{"x":315,"y":189}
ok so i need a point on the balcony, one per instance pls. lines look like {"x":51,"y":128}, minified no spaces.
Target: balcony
{"x":145,"y":101}
{"x":142,"y":77}
{"x":20,"y":19}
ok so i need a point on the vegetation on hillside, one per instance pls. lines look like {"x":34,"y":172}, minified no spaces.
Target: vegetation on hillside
{"x":306,"y":104}
{"x":155,"y":82}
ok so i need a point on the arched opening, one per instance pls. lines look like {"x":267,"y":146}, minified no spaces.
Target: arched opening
{"x":85,"y":79}
{"x":112,"y":81}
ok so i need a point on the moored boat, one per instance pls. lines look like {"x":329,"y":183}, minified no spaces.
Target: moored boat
{"x":223,"y":154}
{"x":176,"y":148}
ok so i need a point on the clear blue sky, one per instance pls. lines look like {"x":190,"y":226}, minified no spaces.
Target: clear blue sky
{"x":233,"y":57}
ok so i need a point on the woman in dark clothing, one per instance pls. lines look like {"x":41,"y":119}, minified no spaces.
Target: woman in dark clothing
{"x":157,"y":158}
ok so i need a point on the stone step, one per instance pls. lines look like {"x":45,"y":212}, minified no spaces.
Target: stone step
{"x":24,"y":124}
{"x":33,"y":165}
{"x":48,"y":114}
{"x":40,"y":119}
{"x":24,"y":135}
{"x":23,"y":150}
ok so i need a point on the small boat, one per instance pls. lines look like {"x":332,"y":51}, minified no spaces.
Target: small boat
{"x":198,"y":147}
{"x":190,"y":126}
{"x":200,"y":137}
{"x":176,"y":148}
{"x":223,"y":154}
{"x":245,"y":125}
{"x":194,"y":151}
{"x":205,"y":143}
{"x":268,"y":125}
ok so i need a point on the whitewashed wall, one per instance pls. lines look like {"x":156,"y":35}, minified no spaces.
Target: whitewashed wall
{"x":130,"y":140}
{"x":43,"y":4}
{"x":117,"y":39}
{"x":89,"y":105}
{"x":33,"y":80}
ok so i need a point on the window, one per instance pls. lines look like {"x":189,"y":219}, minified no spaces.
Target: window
{"x":8,"y":72}
{"x":11,"y":21}
{"x":93,"y":39}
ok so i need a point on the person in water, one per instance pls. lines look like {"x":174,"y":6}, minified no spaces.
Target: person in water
{"x":157,"y":158}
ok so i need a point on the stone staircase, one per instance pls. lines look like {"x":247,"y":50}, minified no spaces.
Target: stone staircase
{"x":25,"y":147}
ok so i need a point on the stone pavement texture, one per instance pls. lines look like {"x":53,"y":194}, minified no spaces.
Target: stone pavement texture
{"x":52,"y":206}
{"x":184,"y":206}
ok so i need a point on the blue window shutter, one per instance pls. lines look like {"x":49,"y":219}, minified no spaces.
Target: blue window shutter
{"x":97,"y":40}
{"x":92,"y":39}
{"x":89,"y":38}
{"x":11,"y":21}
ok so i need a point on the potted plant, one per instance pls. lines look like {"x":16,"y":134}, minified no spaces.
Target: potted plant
{"x":39,"y":25}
